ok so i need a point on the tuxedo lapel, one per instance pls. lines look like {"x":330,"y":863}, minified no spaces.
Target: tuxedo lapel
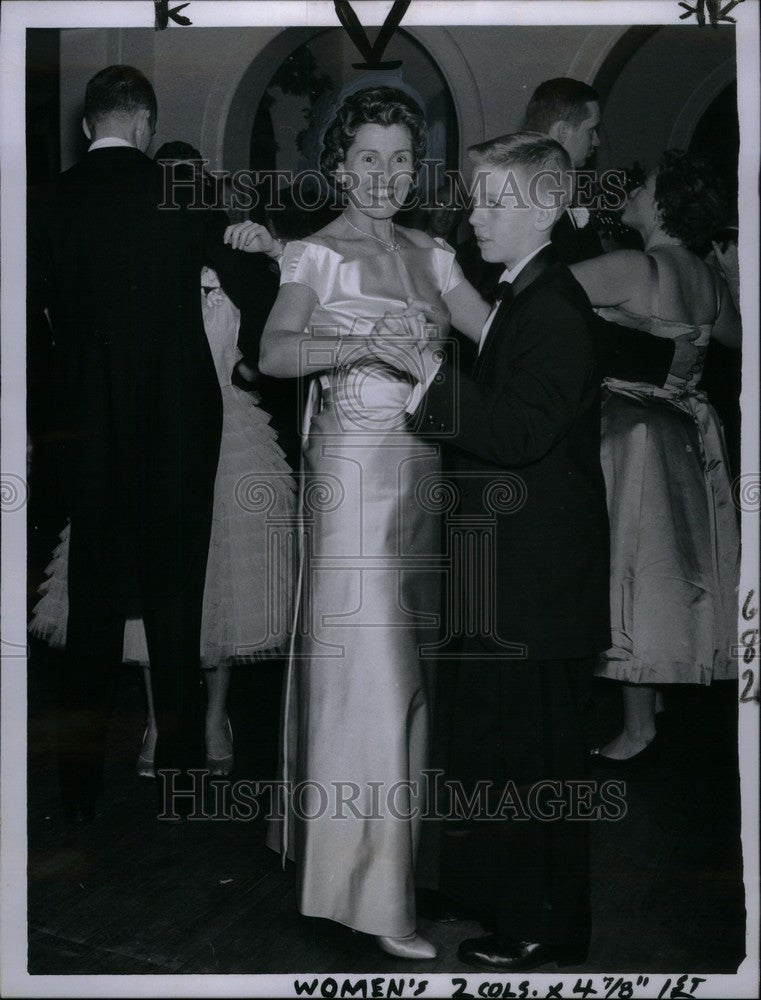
{"x":496,"y":323}
{"x":544,"y":259}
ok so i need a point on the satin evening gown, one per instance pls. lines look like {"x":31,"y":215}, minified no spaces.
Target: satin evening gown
{"x":356,"y":705}
{"x":675,"y":546}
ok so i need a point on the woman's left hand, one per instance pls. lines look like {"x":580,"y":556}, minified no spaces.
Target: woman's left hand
{"x":420,"y":321}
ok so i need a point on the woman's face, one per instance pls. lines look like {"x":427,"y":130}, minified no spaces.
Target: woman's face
{"x":640,"y":208}
{"x":376,"y":172}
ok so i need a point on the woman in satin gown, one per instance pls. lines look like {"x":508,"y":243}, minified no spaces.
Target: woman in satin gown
{"x":674,"y":532}
{"x":355,"y":705}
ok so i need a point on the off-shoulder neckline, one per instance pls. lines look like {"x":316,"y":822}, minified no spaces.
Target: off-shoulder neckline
{"x":441,"y":245}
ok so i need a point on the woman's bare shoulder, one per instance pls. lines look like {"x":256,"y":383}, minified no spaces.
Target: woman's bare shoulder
{"x":416,"y":237}
{"x":331,"y":236}
{"x":324,"y":238}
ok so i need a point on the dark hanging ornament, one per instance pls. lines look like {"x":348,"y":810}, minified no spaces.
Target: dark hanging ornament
{"x":372,"y":54}
{"x":713,"y":8}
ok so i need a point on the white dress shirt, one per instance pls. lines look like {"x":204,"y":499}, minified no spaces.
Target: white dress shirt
{"x":509,"y":274}
{"x":109,"y":140}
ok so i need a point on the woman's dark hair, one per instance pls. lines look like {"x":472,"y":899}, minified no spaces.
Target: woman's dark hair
{"x":186,"y":165}
{"x":691,"y":198}
{"x":372,"y":106}
{"x":118,"y":90}
{"x":176,"y":150}
{"x":634,"y":176}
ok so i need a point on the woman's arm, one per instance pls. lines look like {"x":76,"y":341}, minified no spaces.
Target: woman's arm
{"x":281,"y":352}
{"x":467,"y":309}
{"x":615,"y":278}
{"x":287,"y":351}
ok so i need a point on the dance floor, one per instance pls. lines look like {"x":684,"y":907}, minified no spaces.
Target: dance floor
{"x":131,"y":894}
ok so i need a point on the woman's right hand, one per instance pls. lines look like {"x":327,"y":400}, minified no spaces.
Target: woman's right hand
{"x":253,"y":238}
{"x":419,"y":321}
{"x":688,"y":358}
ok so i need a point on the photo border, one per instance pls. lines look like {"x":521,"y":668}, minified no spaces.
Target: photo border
{"x":17,"y":16}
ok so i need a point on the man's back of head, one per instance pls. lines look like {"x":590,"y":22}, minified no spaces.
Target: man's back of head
{"x":120,"y":102}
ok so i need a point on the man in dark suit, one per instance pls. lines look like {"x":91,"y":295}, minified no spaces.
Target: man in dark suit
{"x":526,"y":425}
{"x":141,"y":414}
{"x":569,"y":111}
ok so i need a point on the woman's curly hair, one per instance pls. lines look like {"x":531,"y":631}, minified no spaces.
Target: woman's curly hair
{"x":691,"y":198}
{"x":372,"y":106}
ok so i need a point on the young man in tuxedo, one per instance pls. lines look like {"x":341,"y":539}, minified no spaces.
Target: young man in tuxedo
{"x":141,"y":416}
{"x":526,"y":420}
{"x":569,"y":111}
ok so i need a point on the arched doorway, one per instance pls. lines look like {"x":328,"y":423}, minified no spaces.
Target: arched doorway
{"x":303,"y":90}
{"x":656,"y":84}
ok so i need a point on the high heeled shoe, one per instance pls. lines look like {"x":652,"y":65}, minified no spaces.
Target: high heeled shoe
{"x":146,"y":767}
{"x":412,"y":946}
{"x":221,"y":767}
{"x":647,"y":755}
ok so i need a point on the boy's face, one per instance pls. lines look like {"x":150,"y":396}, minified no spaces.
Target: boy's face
{"x":503,"y":218}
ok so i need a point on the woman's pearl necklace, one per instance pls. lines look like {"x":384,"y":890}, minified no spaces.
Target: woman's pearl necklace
{"x":390,"y":246}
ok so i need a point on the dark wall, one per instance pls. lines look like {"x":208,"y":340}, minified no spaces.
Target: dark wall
{"x":43,"y":130}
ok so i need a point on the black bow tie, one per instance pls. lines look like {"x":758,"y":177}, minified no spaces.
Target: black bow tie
{"x":504,"y":292}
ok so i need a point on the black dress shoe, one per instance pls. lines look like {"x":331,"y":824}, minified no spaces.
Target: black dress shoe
{"x":508,"y":955}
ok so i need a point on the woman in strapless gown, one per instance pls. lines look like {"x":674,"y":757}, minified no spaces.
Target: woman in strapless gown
{"x":356,"y":705}
{"x":247,"y":605}
{"x":674,"y":530}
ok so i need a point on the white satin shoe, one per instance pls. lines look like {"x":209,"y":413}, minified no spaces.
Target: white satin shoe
{"x":412,"y":946}
{"x":146,"y":767}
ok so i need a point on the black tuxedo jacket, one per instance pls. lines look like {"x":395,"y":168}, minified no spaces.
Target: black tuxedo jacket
{"x":573,"y":244}
{"x":531,"y":410}
{"x":139,"y":400}
{"x":621,"y":352}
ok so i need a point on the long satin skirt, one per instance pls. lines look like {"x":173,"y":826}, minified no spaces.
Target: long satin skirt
{"x":675,"y":544}
{"x":356,"y":706}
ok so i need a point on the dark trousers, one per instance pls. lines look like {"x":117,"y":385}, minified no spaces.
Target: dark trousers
{"x":90,"y":671}
{"x":517,"y":724}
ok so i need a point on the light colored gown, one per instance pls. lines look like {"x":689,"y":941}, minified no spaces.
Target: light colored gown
{"x":247,"y":605}
{"x":355,"y":701}
{"x":675,"y":546}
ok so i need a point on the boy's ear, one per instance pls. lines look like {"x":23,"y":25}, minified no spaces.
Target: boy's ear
{"x":544,"y":218}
